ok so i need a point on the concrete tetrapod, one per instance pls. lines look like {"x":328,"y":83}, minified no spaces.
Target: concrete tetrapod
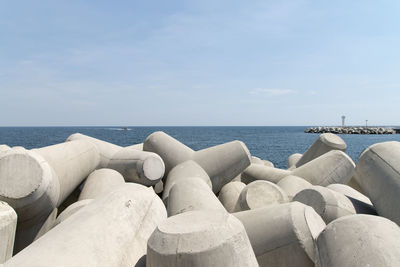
{"x":259,"y":194}
{"x":229,"y":196}
{"x":292,"y":160}
{"x":135,"y":165}
{"x":182,"y":171}
{"x":292,"y":185}
{"x":4,"y":148}
{"x":283,"y":235}
{"x":222,"y":163}
{"x":36,"y":181}
{"x":71,"y":209}
{"x":48,"y":224}
{"x":359,"y":240}
{"x":261,"y":172}
{"x":350,"y":192}
{"x":190,"y":194}
{"x":100,"y":182}
{"x":324,"y":143}
{"x":330,"y":204}
{"x":111,"y":231}
{"x":200,"y":238}
{"x":378,"y":173}
{"x":8,"y":225}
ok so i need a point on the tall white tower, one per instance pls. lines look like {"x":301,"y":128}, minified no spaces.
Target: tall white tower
{"x":343,"y":118}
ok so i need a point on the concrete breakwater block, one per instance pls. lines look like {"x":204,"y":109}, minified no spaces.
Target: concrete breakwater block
{"x":323,"y":144}
{"x":359,"y":240}
{"x":378,"y":174}
{"x":292,"y":185}
{"x":8,"y":225}
{"x":222,"y":163}
{"x":135,"y":165}
{"x":350,"y":193}
{"x":260,"y":194}
{"x":192,"y":194}
{"x":330,"y":204}
{"x":4,"y":148}
{"x":292,"y":160}
{"x":283,"y":235}
{"x":200,"y":238}
{"x":229,"y":196}
{"x":110,"y":231}
{"x":34,"y":182}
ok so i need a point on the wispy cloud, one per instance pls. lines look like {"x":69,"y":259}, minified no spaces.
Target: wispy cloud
{"x":271,"y":91}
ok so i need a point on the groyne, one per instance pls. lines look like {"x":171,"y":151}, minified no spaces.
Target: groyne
{"x":352,"y":130}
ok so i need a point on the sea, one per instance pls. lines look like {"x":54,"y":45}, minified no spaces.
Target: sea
{"x":273,"y":143}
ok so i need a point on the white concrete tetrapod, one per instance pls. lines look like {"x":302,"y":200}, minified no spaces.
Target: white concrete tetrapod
{"x":71,"y":209}
{"x":222,"y":163}
{"x":229,"y":196}
{"x":100,"y":182}
{"x":8,"y":225}
{"x":4,"y":148}
{"x":292,"y":160}
{"x":350,"y":192}
{"x":36,"y":181}
{"x":110,"y":231}
{"x":183,"y":171}
{"x":135,"y":165}
{"x":283,"y":235}
{"x":268,"y":163}
{"x":137,"y":146}
{"x":330,"y":204}
{"x":378,"y":173}
{"x":48,"y":224}
{"x":359,"y":240}
{"x":256,"y":160}
{"x":200,"y":238}
{"x":261,"y":172}
{"x":191,"y":194}
{"x":292,"y":185}
{"x":259,"y":194}
{"x":324,"y":143}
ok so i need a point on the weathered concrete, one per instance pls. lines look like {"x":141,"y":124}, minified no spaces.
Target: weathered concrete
{"x":256,"y":160}
{"x":200,"y":238}
{"x":259,"y":194}
{"x":111,"y":231}
{"x":359,"y":240}
{"x":34,"y":182}
{"x":292,"y":185}
{"x":261,"y":172}
{"x":137,"y":146}
{"x":350,"y":192}
{"x":100,"y":182}
{"x":192,"y":193}
{"x":222,"y":163}
{"x":324,"y":143}
{"x":292,"y":160}
{"x":183,"y":171}
{"x":229,"y":196}
{"x":71,"y":209}
{"x":378,"y":173}
{"x":268,"y":163}
{"x":330,"y":204}
{"x":283,"y":235}
{"x":4,"y":148}
{"x":135,"y":165}
{"x":48,"y":224}
{"x":8,"y":225}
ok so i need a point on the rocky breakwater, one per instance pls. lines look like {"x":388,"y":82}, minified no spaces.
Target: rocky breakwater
{"x":351,"y":130}
{"x":86,"y":202}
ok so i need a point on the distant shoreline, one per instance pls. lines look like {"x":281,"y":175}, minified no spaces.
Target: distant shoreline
{"x":353,"y":130}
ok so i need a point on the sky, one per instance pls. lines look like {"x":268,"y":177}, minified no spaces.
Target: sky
{"x":188,"y":63}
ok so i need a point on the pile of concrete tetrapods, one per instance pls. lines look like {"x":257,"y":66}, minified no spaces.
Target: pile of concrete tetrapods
{"x":87,"y":202}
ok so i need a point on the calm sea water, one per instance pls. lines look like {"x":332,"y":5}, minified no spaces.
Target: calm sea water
{"x":271,"y":143}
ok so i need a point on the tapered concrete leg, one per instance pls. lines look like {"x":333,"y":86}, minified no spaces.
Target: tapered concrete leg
{"x":283,"y":235}
{"x":100,"y":182}
{"x":4,"y":148}
{"x":8,"y":225}
{"x":222,"y":163}
{"x":256,"y":160}
{"x":70,"y":210}
{"x":184,"y":170}
{"x":111,"y":231}
{"x":324,"y":143}
{"x":268,"y":163}
{"x":332,"y":167}
{"x":378,"y":173}
{"x":359,"y":240}
{"x":200,"y":238}
{"x":259,"y":172}
{"x":48,"y":224}
{"x":350,"y":192}
{"x":292,"y":185}
{"x":192,"y":194}
{"x":292,"y":160}
{"x":259,"y":194}
{"x":330,"y":204}
{"x":229,"y":196}
{"x":135,"y":165}
{"x":137,"y":146}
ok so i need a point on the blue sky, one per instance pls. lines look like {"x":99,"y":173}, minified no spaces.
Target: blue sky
{"x":199,"y":62}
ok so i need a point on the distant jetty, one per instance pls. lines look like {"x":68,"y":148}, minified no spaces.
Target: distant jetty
{"x":352,"y":130}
